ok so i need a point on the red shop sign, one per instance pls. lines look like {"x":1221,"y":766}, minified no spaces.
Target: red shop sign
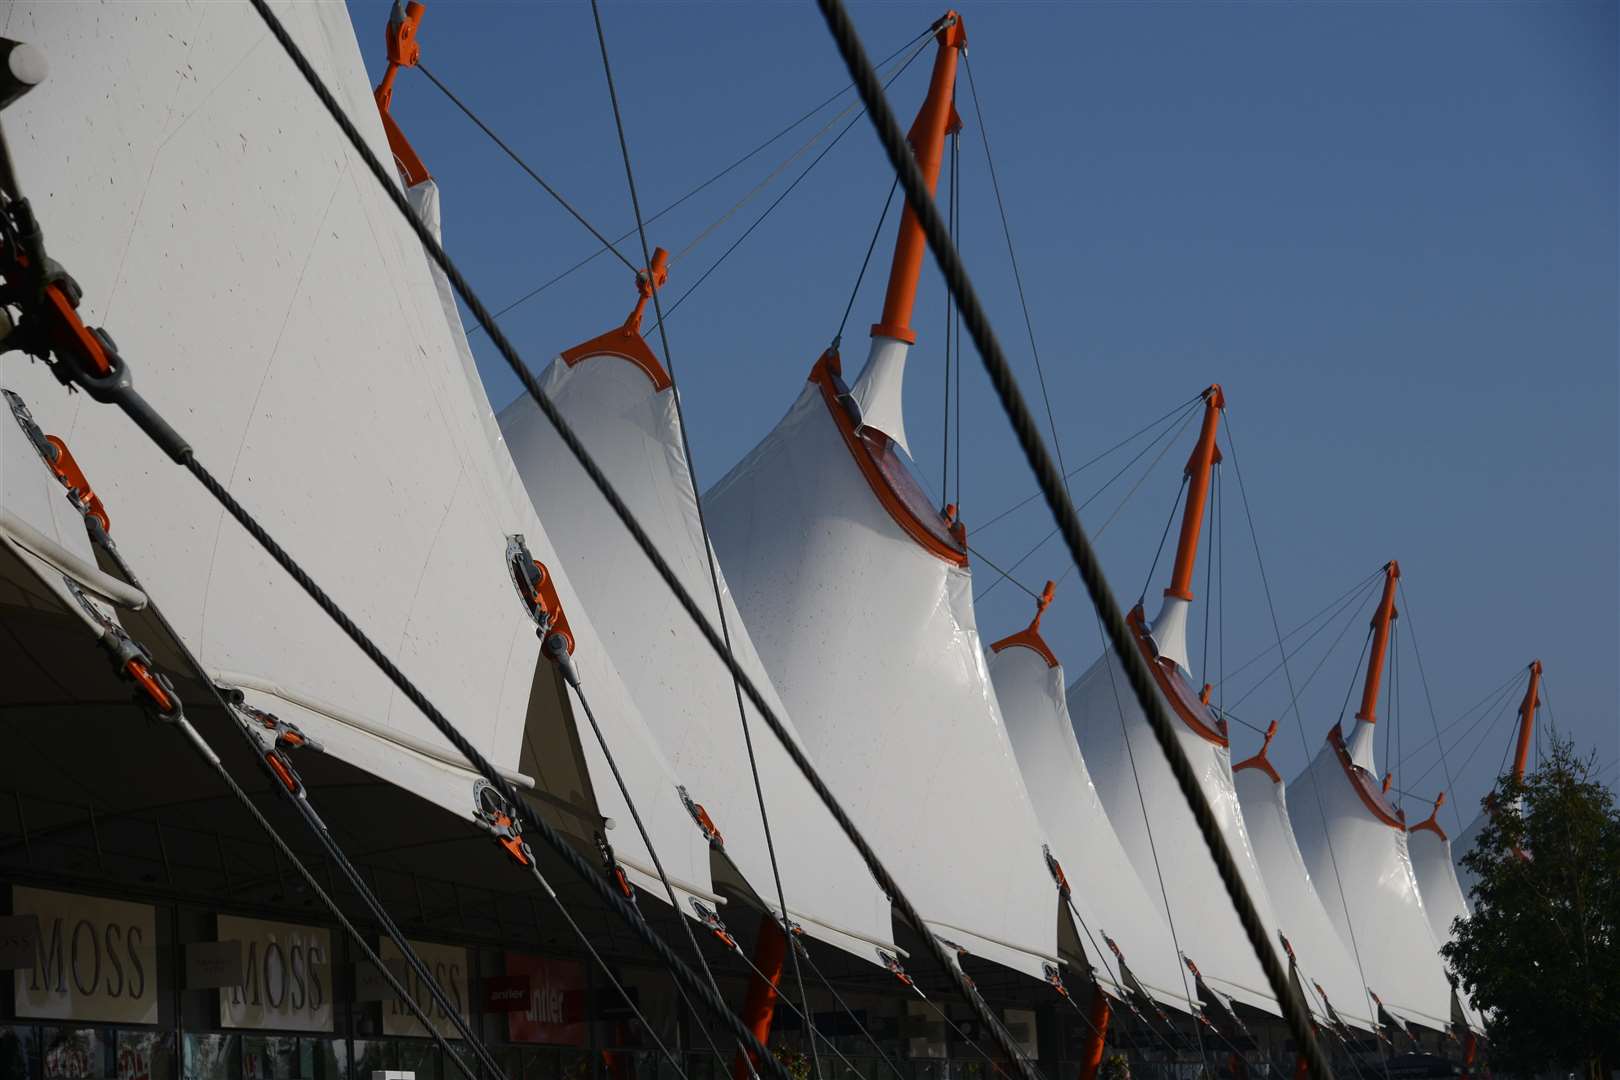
{"x":552,"y":993}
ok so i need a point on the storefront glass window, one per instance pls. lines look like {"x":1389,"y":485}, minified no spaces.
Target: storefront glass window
{"x":421,"y":1058}
{"x":144,"y":1055}
{"x":19,"y":1053}
{"x":75,"y":1054}
{"x":213,"y":1057}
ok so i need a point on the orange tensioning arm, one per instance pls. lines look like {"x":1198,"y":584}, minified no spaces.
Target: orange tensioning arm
{"x":1204,"y":456}
{"x":403,"y":51}
{"x":1527,"y":720}
{"x":1383,"y":619}
{"x":935,"y":120}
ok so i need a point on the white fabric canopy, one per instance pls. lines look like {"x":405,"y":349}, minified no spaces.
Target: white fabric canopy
{"x":862,"y":614}
{"x":1153,"y":821}
{"x":1443,"y":899}
{"x":273,"y":305}
{"x":630,"y":425}
{"x":1107,"y":893}
{"x":1323,"y":956}
{"x":1380,"y":910}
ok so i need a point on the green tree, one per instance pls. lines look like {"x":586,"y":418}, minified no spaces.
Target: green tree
{"x":1541,"y":954}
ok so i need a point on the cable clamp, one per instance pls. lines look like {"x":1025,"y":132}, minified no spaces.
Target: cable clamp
{"x":705,"y":823}
{"x":285,"y":735}
{"x":154,"y":693}
{"x":1054,"y":978}
{"x":793,"y":932}
{"x":711,"y":920}
{"x":610,"y":864}
{"x":56,"y":456}
{"x":494,"y":816}
{"x":537,"y":591}
{"x":1056,"y":870}
{"x":86,"y":358}
{"x":892,"y":962}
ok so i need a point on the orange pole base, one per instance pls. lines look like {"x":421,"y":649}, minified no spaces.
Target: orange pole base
{"x":1091,"y":1054}
{"x":760,"y":1006}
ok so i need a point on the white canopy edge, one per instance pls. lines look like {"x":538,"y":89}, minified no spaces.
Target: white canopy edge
{"x":1322,"y":954}
{"x":1109,"y":897}
{"x":1380,"y":909}
{"x":1007,"y":954}
{"x":28,"y":540}
{"x":332,"y":714}
{"x":1132,"y":774}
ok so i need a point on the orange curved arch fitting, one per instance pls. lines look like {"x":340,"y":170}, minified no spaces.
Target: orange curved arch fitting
{"x":1365,"y":786}
{"x":1030,"y":636}
{"x":625,"y":342}
{"x":1177,"y":693}
{"x":896,"y":489}
{"x":1432,"y":822}
{"x":1259,"y":760}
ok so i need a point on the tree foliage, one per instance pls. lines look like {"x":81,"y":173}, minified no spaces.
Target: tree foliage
{"x":1541,"y":954}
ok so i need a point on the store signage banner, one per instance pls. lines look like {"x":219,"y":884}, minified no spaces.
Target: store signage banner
{"x":506,"y":993}
{"x":448,"y":963}
{"x":554,"y":1011}
{"x":285,"y":981}
{"x":94,"y":959}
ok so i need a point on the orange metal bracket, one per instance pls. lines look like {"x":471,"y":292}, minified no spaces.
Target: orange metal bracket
{"x":1365,"y":786}
{"x":1194,"y":713}
{"x":626,"y":342}
{"x":888,"y":477}
{"x":67,"y":470}
{"x":143,"y":677}
{"x":1030,"y":636}
{"x":546,"y":599}
{"x":1205,"y":454}
{"x":403,"y":51}
{"x":936,"y":119}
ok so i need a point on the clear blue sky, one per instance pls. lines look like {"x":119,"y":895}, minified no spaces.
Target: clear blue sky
{"x":1389,"y":230}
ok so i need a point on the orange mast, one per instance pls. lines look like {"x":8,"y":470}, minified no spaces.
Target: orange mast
{"x":1527,"y":720}
{"x":936,"y":119}
{"x":1204,"y":456}
{"x":1383,"y":619}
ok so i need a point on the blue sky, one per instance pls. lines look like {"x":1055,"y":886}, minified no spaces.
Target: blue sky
{"x":1388,"y":230}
